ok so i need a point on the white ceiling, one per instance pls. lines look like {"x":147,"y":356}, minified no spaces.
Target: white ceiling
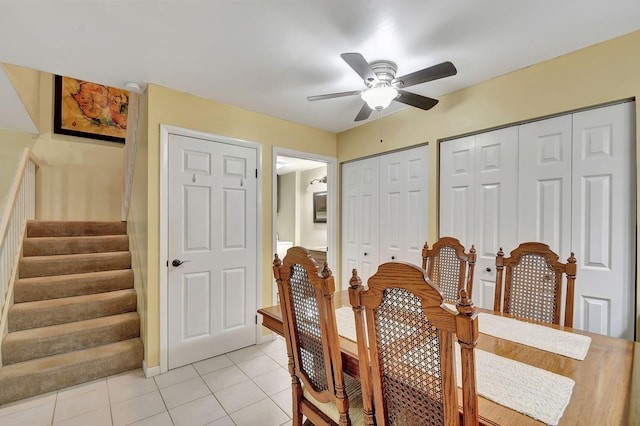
{"x":269,"y":55}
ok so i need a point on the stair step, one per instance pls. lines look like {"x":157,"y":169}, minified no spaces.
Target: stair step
{"x":23,"y":316}
{"x":48,"y":246}
{"x":44,"y":288}
{"x":25,"y":379}
{"x":40,"y":266}
{"x":69,"y":229}
{"x":40,"y":342}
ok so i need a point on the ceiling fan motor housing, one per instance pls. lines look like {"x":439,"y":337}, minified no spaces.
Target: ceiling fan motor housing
{"x":385,"y":71}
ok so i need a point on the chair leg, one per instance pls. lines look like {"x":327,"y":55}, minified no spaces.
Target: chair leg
{"x":296,"y":397}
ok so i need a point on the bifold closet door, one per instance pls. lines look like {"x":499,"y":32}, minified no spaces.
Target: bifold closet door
{"x":360,"y":218}
{"x":574,"y":178}
{"x":403,"y":205}
{"x":603,"y":219}
{"x":478,"y":193}
{"x":384,"y":211}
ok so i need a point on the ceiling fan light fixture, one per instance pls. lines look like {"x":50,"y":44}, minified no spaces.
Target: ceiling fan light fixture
{"x":379,"y":98}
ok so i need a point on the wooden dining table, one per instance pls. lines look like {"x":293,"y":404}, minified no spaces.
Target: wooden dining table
{"x":607,"y":381}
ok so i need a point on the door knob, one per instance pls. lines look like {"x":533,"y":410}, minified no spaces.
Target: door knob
{"x":365,"y":253}
{"x":393,"y":258}
{"x":488,"y":269}
{"x":178,"y":262}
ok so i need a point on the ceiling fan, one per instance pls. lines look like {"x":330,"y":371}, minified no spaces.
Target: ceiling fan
{"x":383,"y":86}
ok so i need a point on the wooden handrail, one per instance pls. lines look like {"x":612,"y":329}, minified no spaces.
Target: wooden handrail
{"x":27,"y":155}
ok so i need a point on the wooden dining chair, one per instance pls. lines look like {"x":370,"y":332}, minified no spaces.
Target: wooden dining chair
{"x":411,"y":335}
{"x":532,"y":280}
{"x":320,"y":390}
{"x":449,"y":267}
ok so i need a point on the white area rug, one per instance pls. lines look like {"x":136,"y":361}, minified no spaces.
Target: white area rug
{"x":537,"y":336}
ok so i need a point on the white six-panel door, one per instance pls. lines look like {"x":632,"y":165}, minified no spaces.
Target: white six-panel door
{"x":212,"y":229}
{"x":403,"y":205}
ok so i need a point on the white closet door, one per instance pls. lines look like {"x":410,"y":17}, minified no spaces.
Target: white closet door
{"x":478,"y":200}
{"x":603,"y":219}
{"x":456,"y":189}
{"x":544,"y":187}
{"x":360,"y":218}
{"x":403,"y":205}
{"x":495,"y":207}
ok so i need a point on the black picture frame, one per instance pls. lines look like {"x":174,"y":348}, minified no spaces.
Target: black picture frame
{"x":320,"y":207}
{"x":63,"y":103}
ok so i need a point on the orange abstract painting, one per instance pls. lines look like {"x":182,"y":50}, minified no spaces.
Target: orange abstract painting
{"x":90,"y":110}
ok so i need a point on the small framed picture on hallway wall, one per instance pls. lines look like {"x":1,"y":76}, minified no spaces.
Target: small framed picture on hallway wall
{"x":90,"y":110}
{"x":320,"y":207}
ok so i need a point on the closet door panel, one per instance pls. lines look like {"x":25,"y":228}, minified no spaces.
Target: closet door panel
{"x":494,"y":211}
{"x":544,"y":184}
{"x":456,"y":189}
{"x":603,"y":219}
{"x":360,"y":218}
{"x":403,"y":207}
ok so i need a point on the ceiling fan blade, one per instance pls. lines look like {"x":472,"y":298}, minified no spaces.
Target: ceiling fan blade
{"x":364,"y":113}
{"x":435,"y":72}
{"x":415,"y":100}
{"x":360,"y":65}
{"x":333,"y":95}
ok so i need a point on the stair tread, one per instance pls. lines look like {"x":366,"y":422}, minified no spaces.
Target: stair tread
{"x":52,"y":331}
{"x":60,"y":286}
{"x":71,"y":277}
{"x":70,"y":228}
{"x":41,"y":364}
{"x":86,"y":298}
{"x":39,"y":266}
{"x":24,"y":379}
{"x":73,"y":256}
{"x":45,"y":246}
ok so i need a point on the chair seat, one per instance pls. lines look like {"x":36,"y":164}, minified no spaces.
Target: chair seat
{"x":354,"y":392}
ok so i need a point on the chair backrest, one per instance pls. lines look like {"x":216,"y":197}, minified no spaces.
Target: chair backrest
{"x":412,"y":352}
{"x":449,"y":267}
{"x":308,"y":312}
{"x":533,"y":284}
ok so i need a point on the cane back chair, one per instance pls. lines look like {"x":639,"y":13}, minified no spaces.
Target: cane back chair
{"x":320,"y":390}
{"x":446,"y":265}
{"x":533,"y":284}
{"x":412,"y":353}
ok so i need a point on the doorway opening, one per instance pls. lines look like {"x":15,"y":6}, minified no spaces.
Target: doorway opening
{"x":304,"y":205}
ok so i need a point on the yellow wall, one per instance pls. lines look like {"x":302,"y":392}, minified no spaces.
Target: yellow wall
{"x":598,"y":74}
{"x":27,"y":84}
{"x":166,"y":106}
{"x":11,"y":146}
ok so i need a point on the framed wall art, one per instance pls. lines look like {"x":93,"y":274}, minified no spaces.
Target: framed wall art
{"x":320,"y":207}
{"x":90,"y":110}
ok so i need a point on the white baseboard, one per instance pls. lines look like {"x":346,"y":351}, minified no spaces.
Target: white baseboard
{"x":150,"y":371}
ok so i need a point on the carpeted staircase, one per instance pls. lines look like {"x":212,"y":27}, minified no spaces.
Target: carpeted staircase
{"x":74,"y":316}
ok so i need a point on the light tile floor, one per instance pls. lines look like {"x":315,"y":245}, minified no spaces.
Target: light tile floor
{"x":250,"y":386}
